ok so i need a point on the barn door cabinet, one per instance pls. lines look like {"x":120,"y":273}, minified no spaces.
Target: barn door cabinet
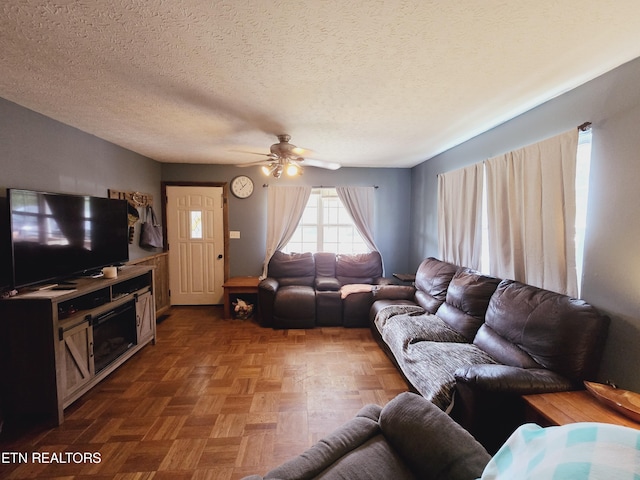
{"x":56,"y":345}
{"x":145,"y":317}
{"x":160,"y":264}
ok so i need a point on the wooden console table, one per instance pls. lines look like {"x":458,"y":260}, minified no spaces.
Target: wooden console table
{"x":236,"y":285}
{"x":59,"y":344}
{"x":560,"y":408}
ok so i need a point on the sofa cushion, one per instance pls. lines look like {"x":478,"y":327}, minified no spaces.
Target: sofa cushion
{"x":432,"y":280}
{"x":350,"y":436}
{"x":390,"y":310}
{"x":355,"y":309}
{"x":467,"y":300}
{"x":358,"y":267}
{"x":325,"y":264}
{"x":413,"y":326}
{"x":292,"y":268}
{"x":431,"y":366}
{"x":373,"y":459}
{"x":294,"y":307}
{"x":328,"y":308}
{"x":429,"y":442}
{"x":531,"y":327}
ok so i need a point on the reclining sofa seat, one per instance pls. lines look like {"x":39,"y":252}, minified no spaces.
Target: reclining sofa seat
{"x":303,"y":290}
{"x":409,"y":438}
{"x":287,"y":297}
{"x":534,"y":341}
{"x":542,"y":342}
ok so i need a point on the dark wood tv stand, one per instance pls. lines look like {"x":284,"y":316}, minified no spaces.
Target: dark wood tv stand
{"x":47,"y":340}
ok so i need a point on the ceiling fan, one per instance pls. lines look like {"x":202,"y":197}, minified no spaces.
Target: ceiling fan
{"x":286,"y":157}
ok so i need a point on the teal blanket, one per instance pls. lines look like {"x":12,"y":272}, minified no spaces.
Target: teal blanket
{"x":573,"y":451}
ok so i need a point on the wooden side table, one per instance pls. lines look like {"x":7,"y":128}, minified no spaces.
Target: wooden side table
{"x":236,"y":285}
{"x":561,"y":408}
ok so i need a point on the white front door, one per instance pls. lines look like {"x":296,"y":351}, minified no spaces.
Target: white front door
{"x":195,"y":231}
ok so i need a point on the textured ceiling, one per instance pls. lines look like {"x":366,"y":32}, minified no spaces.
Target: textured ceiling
{"x":361,"y":82}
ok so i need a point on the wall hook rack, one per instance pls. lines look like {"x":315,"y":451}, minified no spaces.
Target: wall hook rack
{"x":136,"y":199}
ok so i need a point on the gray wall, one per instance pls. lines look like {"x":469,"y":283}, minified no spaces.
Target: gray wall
{"x":393,"y":198}
{"x":611,"y":277}
{"x":38,"y":153}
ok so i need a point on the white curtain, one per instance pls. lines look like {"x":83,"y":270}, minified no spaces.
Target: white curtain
{"x":460,"y":216}
{"x":531,"y":214}
{"x":358,"y":201}
{"x":285,"y":206}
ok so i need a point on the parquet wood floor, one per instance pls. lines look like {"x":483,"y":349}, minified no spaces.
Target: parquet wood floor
{"x":213,"y":399}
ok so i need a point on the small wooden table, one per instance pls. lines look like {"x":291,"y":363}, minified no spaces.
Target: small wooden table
{"x":236,"y":285}
{"x":561,"y":408}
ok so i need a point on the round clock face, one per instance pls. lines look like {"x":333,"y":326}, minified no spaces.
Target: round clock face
{"x":242,"y":186}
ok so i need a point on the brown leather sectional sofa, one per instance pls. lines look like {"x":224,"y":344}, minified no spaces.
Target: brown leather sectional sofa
{"x":470,"y":343}
{"x":304,"y":290}
{"x":474,"y":344}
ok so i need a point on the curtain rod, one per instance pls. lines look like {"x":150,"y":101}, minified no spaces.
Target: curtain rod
{"x":585,"y":126}
{"x":265,"y":185}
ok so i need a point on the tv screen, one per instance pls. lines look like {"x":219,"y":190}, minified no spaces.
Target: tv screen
{"x":5,"y":252}
{"x":54,"y":236}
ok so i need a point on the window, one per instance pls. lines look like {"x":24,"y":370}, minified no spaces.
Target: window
{"x":582,"y":194}
{"x":326,"y":226}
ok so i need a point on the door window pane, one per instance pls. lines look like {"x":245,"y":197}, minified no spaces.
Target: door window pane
{"x":196,"y":225}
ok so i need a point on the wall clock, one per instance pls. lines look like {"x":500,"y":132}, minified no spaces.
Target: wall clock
{"x":242,"y":186}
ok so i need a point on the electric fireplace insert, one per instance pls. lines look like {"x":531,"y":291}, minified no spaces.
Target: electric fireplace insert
{"x":114,"y":332}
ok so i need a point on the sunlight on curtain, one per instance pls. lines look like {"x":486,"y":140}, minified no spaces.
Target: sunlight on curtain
{"x":583,"y":168}
{"x":359,"y":203}
{"x":459,"y":216}
{"x":285,"y":206}
{"x":531,"y":209}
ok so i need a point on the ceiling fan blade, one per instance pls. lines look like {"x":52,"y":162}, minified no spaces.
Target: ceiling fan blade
{"x":302,"y":152}
{"x":254,"y":153}
{"x":322,"y":164}
{"x":246,"y":115}
{"x":254,"y":164}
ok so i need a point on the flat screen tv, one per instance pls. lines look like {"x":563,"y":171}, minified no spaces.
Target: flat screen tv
{"x":56,"y":236}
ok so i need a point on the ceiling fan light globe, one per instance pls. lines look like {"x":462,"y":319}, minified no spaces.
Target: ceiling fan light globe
{"x":269,"y":169}
{"x":277,"y":172}
{"x":293,"y":170}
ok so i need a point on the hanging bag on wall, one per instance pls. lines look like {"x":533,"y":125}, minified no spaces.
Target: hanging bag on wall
{"x":151,"y":232}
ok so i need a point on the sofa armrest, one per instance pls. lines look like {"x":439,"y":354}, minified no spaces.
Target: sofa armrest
{"x":512,"y":380}
{"x":429,"y":441}
{"x":269,"y":284}
{"x":327,"y":284}
{"x":488,"y":399}
{"x":267,"y":289}
{"x":394,"y":292}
